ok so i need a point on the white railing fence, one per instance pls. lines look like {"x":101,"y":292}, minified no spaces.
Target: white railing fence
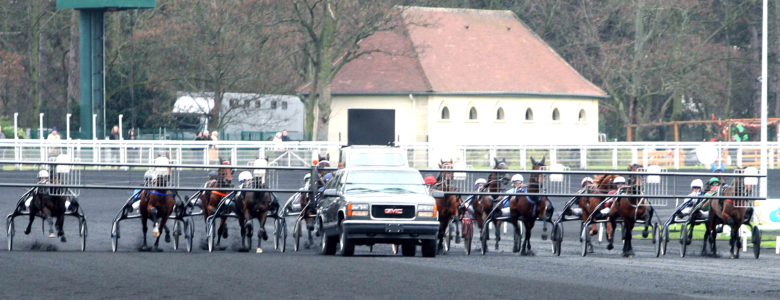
{"x":421,"y":155}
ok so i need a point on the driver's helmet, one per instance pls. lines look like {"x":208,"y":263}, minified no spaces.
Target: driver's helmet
{"x":619,"y":180}
{"x":245,"y":176}
{"x":149,"y":175}
{"x":326,"y":178}
{"x":696,"y":183}
{"x":213,"y":175}
{"x":517,"y":178}
{"x":586,"y":181}
{"x":430,"y":180}
{"x":479,"y":181}
{"x":43,"y":174}
{"x":307,"y":177}
{"x":713,"y":180}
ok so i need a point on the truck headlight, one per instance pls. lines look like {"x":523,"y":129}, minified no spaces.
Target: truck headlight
{"x":424,"y":210}
{"x":357,"y":209}
{"x":426,"y":207}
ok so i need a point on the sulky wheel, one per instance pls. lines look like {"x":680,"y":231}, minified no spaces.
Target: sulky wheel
{"x":297,"y":234}
{"x":664,"y":239}
{"x":83,"y":234}
{"x":189,"y":233}
{"x":11,"y":232}
{"x":557,"y":239}
{"x":756,"y":241}
{"x":277,"y":232}
{"x":211,"y":239}
{"x":176,"y":234}
{"x":518,"y":237}
{"x":283,"y":235}
{"x":657,"y":239}
{"x":448,"y":236}
{"x":468,"y":236}
{"x":684,"y":239}
{"x":115,"y":237}
{"x":585,"y":238}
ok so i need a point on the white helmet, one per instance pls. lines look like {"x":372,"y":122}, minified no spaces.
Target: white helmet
{"x":619,"y":180}
{"x":697,"y":183}
{"x":480,"y":180}
{"x":244,"y":176}
{"x":586,"y":180}
{"x":149,"y":175}
{"x":517,"y":177}
{"x":43,"y":174}
{"x":307,"y":176}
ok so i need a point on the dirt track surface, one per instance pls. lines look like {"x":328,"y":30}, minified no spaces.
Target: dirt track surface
{"x":32,"y":272}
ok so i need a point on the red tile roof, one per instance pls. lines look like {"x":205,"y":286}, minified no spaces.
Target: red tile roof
{"x":463,"y":51}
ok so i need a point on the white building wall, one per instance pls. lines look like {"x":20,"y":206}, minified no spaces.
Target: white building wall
{"x":514,"y":129}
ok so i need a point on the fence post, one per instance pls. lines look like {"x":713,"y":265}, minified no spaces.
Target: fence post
{"x":739,"y":157}
{"x":614,"y":157}
{"x":583,"y":158}
{"x":635,"y":155}
{"x":523,"y":157}
{"x":677,"y":157}
{"x":645,"y":157}
{"x":553,"y":156}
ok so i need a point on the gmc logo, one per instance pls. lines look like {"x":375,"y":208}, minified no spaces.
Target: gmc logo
{"x":394,"y":211}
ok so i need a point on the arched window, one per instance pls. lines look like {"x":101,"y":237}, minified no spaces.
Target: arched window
{"x":529,"y":114}
{"x":582,"y":117}
{"x":500,"y":114}
{"x":556,"y":115}
{"x":473,"y":113}
{"x":445,"y":113}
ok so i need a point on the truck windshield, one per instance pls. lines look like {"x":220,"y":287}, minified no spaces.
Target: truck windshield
{"x":376,"y":159}
{"x":362,"y":181}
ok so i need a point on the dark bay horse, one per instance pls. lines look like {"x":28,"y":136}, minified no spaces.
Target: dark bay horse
{"x":725,"y":212}
{"x":47,"y":203}
{"x":629,"y":209}
{"x":527,"y":209}
{"x":601,"y":185}
{"x":484,"y":205}
{"x":157,"y":204}
{"x":447,"y":206}
{"x":309,"y":206}
{"x":210,"y":199}
{"x":253,"y":205}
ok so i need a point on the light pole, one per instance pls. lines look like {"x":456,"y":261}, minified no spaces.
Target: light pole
{"x":40,"y":126}
{"x":120,"y":126}
{"x":764,"y":89}
{"x":16,"y":125}
{"x":94,"y":123}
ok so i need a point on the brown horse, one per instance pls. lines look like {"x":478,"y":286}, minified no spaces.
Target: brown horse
{"x":484,"y":205}
{"x":601,"y":185}
{"x":253,"y":205}
{"x":447,"y":206}
{"x":309,"y":206}
{"x":47,"y":206}
{"x":210,"y":199}
{"x":629,"y":209}
{"x":725,"y":212}
{"x":157,"y":204}
{"x":527,"y":209}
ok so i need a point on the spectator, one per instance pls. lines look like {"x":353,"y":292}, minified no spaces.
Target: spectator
{"x":114,"y":157}
{"x":206,"y":135}
{"x":131,"y":135}
{"x":199,"y":137}
{"x":213,"y":152}
{"x":135,"y":154}
{"x":2,"y":135}
{"x":215,"y":135}
{"x":278,"y":141}
{"x":285,"y":138}
{"x":54,"y":151}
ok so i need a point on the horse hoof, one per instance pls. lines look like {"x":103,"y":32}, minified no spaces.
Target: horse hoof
{"x":243,"y":250}
{"x":167,"y":238}
{"x":143,"y":249}
{"x":259,"y":250}
{"x":610,"y":247}
{"x":156,"y":232}
{"x":158,"y":249}
{"x":731,"y":256}
{"x":645,"y":233}
{"x":51,"y":235}
{"x":221,"y":248}
{"x":590,"y":248}
{"x":62,"y":239}
{"x":27,"y":231}
{"x":544,"y":237}
{"x":457,"y":239}
{"x":265,"y":236}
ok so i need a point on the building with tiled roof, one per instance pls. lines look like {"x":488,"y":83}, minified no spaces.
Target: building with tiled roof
{"x":468,"y":77}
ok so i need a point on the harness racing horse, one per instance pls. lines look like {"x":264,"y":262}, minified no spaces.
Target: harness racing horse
{"x":48,"y":203}
{"x":724,"y":212}
{"x":628,"y":209}
{"x":602,"y":184}
{"x":210,"y":200}
{"x":157,"y":204}
{"x":527,"y":209}
{"x":254,"y":205}
{"x":309,"y":206}
{"x":447,"y":206}
{"x":485,"y":204}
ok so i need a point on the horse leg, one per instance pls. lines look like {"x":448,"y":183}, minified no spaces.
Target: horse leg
{"x":261,"y":233}
{"x":156,"y":222}
{"x":647,"y":216}
{"x":161,"y":224}
{"x":33,"y":212}
{"x":628,"y":250}
{"x":706,"y":240}
{"x":529,"y":224}
{"x":50,"y":221}
{"x":735,"y":242}
{"x":543,"y":217}
{"x":611,"y":224}
{"x":221,"y":232}
{"x":497,"y":227}
{"x":225,"y":231}
{"x":144,"y":228}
